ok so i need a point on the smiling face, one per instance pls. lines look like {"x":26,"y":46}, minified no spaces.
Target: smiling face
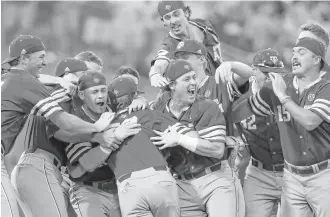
{"x":185,"y":88}
{"x":95,"y":98}
{"x":302,"y":61}
{"x":176,"y":21}
{"x":35,"y":62}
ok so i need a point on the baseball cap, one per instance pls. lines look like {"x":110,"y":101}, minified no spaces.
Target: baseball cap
{"x":191,"y":46}
{"x":91,"y":79}
{"x":69,"y":65}
{"x":24,"y":44}
{"x":122,"y":86}
{"x":316,"y":47}
{"x":268,"y":60}
{"x":177,"y":68}
{"x":165,"y":7}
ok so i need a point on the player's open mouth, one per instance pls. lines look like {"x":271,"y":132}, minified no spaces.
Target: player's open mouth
{"x":175,"y":27}
{"x":295,"y":65}
{"x":192,"y":91}
{"x":100,"y":104}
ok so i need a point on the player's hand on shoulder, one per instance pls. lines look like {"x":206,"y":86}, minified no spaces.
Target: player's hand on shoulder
{"x":139,"y":103}
{"x":223,"y":72}
{"x":157,"y":80}
{"x":127,"y":129}
{"x":103,"y":122}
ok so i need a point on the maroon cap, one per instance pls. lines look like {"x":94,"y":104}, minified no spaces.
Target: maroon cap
{"x":69,"y":65}
{"x":190,"y":46}
{"x":165,"y":7}
{"x":268,"y":60}
{"x":177,"y":68}
{"x":24,"y":44}
{"x":316,"y":47}
{"x":122,"y":86}
{"x":91,"y":79}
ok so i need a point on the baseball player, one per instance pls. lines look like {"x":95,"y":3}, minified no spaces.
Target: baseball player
{"x":300,"y":103}
{"x":126,"y":71}
{"x":204,"y":177}
{"x":263,"y":181}
{"x":176,"y":16}
{"x":318,"y":32}
{"x":145,"y":186}
{"x":36,"y":177}
{"x":93,"y":193}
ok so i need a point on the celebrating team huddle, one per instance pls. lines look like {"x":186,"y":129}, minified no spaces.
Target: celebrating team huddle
{"x":75,"y":144}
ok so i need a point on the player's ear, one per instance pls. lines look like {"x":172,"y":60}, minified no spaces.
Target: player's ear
{"x":317,"y":59}
{"x":81,"y":95}
{"x":24,"y":59}
{"x":172,"y":85}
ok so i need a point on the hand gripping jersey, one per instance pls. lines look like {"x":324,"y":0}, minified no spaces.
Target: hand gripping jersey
{"x":261,"y":134}
{"x":138,"y":152}
{"x":75,"y":151}
{"x":211,"y":42}
{"x":206,"y":118}
{"x":300,"y":147}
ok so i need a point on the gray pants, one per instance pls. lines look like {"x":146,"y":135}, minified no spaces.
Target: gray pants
{"x":38,"y":182}
{"x":306,"y":195}
{"x":91,"y":201}
{"x":218,"y":193}
{"x":262,"y":191}
{"x":149,"y":193}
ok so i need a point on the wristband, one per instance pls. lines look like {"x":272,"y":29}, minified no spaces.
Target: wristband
{"x":286,"y":99}
{"x":188,"y":142}
{"x":105,"y":150}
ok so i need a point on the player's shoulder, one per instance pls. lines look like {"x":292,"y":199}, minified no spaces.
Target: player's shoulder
{"x":202,"y":22}
{"x":205,"y":105}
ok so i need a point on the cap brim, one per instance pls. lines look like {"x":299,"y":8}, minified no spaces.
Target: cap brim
{"x":8,"y":60}
{"x":270,"y":69}
{"x":140,"y":92}
{"x":326,"y":66}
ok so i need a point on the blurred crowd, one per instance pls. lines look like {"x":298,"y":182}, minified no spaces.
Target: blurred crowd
{"x":68,"y":28}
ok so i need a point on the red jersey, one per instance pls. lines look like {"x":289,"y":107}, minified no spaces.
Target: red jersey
{"x":300,"y":146}
{"x":206,"y":118}
{"x":23,"y":95}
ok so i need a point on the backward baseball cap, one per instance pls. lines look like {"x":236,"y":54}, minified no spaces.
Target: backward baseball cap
{"x":177,"y":68}
{"x":69,"y":65}
{"x":24,"y":44}
{"x":122,"y":86}
{"x":268,"y":60}
{"x":190,"y":46}
{"x":165,"y":7}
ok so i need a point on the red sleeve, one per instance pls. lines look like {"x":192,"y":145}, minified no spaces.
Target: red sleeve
{"x":36,"y":100}
{"x":211,"y":124}
{"x":165,"y":50}
{"x":321,"y":104}
{"x":260,"y":102}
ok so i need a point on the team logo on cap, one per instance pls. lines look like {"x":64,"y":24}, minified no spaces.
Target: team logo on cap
{"x":67,"y":69}
{"x":116,"y":92}
{"x":23,"y":51}
{"x":187,"y":67}
{"x":96,"y":80}
{"x":311,"y":97}
{"x":168,"y":7}
{"x":180,"y":45}
{"x":274,"y":59}
{"x":207,"y":94}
